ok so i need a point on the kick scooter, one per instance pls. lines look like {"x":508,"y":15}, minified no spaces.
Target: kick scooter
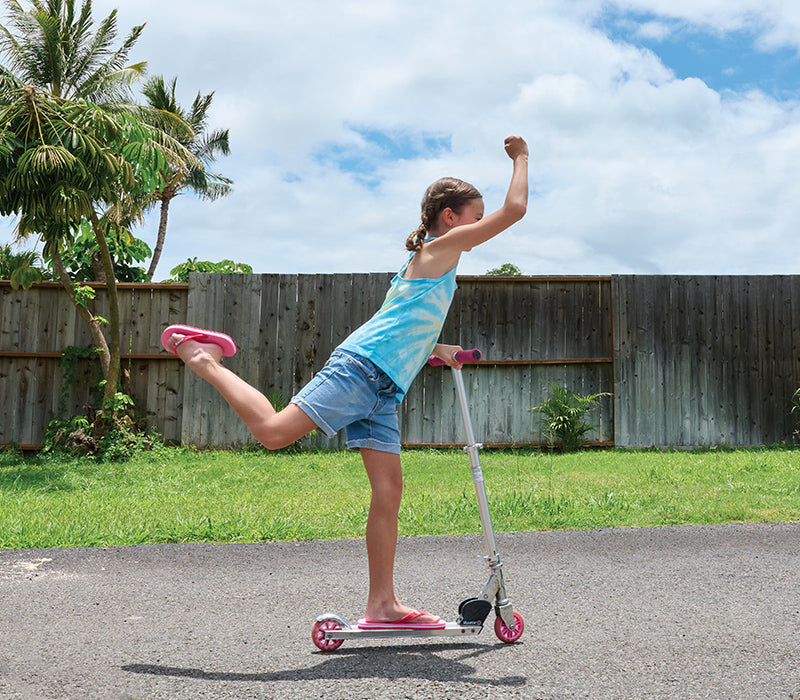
{"x":330,"y":631}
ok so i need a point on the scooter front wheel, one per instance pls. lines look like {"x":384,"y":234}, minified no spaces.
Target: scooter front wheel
{"x":318,"y":635}
{"x":506,"y":635}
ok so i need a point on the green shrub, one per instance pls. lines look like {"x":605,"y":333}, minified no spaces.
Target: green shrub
{"x":564,"y":417}
{"x":505,"y":270}
{"x":180,"y":273}
{"x":112,"y":434}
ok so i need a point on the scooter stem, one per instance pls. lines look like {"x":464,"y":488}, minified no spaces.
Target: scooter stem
{"x":495,"y":590}
{"x":472,"y":448}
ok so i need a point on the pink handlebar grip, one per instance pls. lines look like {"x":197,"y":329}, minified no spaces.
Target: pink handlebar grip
{"x":462,"y":356}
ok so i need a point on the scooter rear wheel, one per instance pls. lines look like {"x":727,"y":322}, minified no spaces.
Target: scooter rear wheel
{"x":506,"y":635}
{"x":318,"y":635}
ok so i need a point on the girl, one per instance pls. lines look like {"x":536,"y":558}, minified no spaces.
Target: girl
{"x":367,"y":375}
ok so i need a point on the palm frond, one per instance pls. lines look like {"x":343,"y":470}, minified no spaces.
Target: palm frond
{"x":171,"y":122}
{"x":213,"y":143}
{"x":161,"y":97}
{"x":198,"y":114}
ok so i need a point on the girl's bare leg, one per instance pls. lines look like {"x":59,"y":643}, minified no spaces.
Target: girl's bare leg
{"x":271,"y":428}
{"x":386,"y":479}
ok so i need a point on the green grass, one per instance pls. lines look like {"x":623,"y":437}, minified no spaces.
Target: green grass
{"x":179,"y":495}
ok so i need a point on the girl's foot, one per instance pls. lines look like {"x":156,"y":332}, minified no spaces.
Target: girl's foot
{"x":398,"y":612}
{"x":195,"y":354}
{"x":414,"y":620}
{"x":176,"y":334}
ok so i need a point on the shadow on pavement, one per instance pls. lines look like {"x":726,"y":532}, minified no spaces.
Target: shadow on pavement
{"x":407,"y":661}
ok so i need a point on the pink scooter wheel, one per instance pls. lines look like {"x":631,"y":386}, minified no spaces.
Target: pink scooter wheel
{"x":318,"y":635}
{"x":506,"y":635}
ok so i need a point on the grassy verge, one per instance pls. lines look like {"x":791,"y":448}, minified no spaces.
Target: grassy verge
{"x":178,"y":495}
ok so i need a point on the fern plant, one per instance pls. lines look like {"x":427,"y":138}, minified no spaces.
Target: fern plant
{"x":564,"y":416}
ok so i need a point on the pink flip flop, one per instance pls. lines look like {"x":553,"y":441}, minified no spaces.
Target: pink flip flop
{"x":201,"y":336}
{"x":404,"y":623}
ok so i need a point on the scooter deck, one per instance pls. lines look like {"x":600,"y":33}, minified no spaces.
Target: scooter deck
{"x":451,"y":629}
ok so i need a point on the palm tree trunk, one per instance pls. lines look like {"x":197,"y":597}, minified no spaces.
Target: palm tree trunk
{"x":162,"y":234}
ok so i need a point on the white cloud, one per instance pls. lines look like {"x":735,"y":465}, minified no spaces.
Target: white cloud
{"x":654,"y":30}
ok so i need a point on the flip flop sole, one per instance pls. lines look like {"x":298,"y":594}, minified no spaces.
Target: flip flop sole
{"x":404,"y":623}
{"x":201,"y":335}
{"x":364,"y":625}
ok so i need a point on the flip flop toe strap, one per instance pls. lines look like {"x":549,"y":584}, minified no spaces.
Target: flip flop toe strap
{"x":188,"y":337}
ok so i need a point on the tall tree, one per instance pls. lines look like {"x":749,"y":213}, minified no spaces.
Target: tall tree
{"x":203,"y":145}
{"x":66,"y":161}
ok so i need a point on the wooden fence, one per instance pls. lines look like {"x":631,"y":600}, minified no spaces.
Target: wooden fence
{"x":530,"y":331}
{"x":690,"y":360}
{"x":705,"y":360}
{"x":38,"y":324}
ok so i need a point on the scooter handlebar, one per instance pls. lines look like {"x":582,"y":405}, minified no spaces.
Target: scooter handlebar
{"x":462,"y":356}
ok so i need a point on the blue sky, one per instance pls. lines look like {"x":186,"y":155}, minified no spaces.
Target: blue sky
{"x":375,"y":147}
{"x":723,"y":60}
{"x":664,"y":134}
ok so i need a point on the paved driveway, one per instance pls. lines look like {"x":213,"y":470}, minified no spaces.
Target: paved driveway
{"x":687,"y":612}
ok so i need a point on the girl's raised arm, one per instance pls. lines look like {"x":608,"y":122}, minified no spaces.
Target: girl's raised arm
{"x":466,"y":236}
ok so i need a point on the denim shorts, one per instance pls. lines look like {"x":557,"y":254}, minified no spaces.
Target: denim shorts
{"x":351,"y":392}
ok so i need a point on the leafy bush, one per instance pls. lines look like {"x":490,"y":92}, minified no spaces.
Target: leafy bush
{"x":563,"y":416}
{"x":82,"y":259}
{"x":180,"y":273}
{"x":20,"y":268}
{"x":112,"y":434}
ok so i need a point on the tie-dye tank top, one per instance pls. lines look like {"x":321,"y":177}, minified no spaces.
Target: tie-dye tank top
{"x":400,"y":337}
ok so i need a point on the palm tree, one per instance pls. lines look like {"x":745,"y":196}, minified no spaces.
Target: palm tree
{"x":53,"y":48}
{"x":64,"y":162}
{"x":204,"y":146}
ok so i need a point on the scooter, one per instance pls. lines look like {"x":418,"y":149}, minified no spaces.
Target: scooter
{"x":330,"y":631}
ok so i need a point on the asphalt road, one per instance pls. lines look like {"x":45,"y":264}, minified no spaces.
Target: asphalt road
{"x":687,"y":612}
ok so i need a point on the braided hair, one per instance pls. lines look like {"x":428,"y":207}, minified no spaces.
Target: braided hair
{"x":445,"y":193}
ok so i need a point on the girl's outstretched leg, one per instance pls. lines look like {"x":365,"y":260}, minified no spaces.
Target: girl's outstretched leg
{"x":271,"y":428}
{"x":386,"y":479}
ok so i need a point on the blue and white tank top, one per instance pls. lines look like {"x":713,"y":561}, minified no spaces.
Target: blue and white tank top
{"x":400,"y":337}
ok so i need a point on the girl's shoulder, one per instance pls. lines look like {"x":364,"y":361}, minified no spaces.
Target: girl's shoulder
{"x":431,"y":262}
